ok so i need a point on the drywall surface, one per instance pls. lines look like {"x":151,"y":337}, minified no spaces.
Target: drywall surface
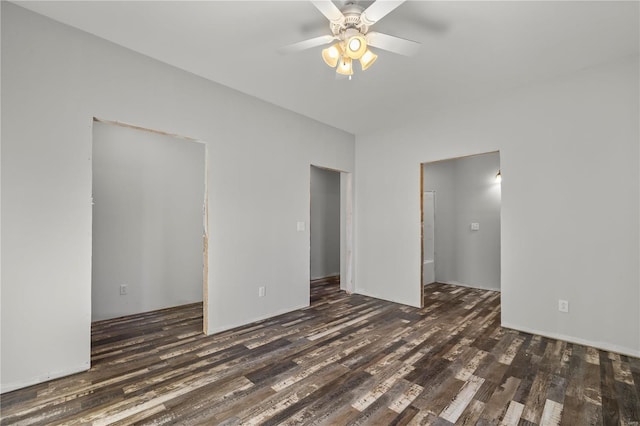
{"x":466,"y":192}
{"x":55,"y":79}
{"x":148,"y":194}
{"x":325,"y":223}
{"x":570,"y":202}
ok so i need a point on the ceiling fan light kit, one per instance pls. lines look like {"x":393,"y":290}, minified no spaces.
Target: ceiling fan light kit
{"x":350,"y":26}
{"x":367,"y":59}
{"x":332,"y":54}
{"x":355,"y":44}
{"x":345,"y":67}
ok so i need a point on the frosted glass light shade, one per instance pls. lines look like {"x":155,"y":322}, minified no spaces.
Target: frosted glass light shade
{"x":345,"y":66}
{"x":368,"y":59}
{"x":331,"y":55}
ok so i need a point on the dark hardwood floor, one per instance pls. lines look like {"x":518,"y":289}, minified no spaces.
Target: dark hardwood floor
{"x":344,"y":360}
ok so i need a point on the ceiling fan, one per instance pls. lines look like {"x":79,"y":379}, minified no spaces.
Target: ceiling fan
{"x":350,"y":30}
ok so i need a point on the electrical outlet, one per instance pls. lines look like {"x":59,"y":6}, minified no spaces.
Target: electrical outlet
{"x":563,"y":305}
{"x":123,"y":289}
{"x":262,"y":291}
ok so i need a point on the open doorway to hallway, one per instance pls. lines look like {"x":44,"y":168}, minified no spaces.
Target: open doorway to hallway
{"x":461,"y":200}
{"x":324,"y":230}
{"x":149,"y":234}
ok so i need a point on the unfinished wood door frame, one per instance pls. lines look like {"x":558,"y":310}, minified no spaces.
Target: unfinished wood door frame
{"x":205,"y":210}
{"x":422,"y":291}
{"x":346,"y":227}
{"x":205,"y":245}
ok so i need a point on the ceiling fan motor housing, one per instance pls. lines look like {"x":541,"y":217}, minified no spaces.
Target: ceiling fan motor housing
{"x":352,"y":19}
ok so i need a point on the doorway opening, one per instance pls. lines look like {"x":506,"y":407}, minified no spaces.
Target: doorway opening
{"x":149,"y":232}
{"x":428,"y":229}
{"x":460,"y":223}
{"x":330,"y":231}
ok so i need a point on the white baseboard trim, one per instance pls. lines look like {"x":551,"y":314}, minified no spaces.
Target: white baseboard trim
{"x":8,"y":387}
{"x":227,"y":327}
{"x":469,"y":286}
{"x":605,"y":346}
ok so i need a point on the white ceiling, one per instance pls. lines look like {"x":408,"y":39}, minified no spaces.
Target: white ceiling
{"x":470,"y":49}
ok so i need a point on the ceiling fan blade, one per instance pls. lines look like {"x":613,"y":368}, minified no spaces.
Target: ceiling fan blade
{"x":392,"y":43}
{"x":306,"y":44}
{"x":378,"y":10}
{"x":328,"y":9}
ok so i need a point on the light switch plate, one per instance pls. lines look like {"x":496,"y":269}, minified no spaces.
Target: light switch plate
{"x":301,"y":226}
{"x":475,"y":226}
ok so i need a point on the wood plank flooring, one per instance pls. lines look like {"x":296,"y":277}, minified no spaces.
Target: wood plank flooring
{"x":345,"y":360}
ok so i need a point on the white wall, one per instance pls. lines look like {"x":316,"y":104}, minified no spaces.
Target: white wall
{"x":325,"y":223}
{"x":148,"y":193}
{"x":466,"y":192}
{"x":55,"y":79}
{"x":570,"y":201}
